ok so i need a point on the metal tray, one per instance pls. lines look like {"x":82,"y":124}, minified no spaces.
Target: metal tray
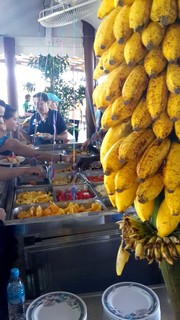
{"x":62,"y":179}
{"x":79,"y":187}
{"x":62,"y":167}
{"x":97,"y":184}
{"x":79,"y":215}
{"x":61,"y":146}
{"x":28,"y":181}
{"x":94,"y":173}
{"x":44,"y":188}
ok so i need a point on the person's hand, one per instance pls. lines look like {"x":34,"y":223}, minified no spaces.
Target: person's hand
{"x":67,"y":158}
{"x":38,"y":170}
{"x":2,"y":214}
{"x":47,"y":136}
{"x":84,"y":163}
{"x":85,"y":144}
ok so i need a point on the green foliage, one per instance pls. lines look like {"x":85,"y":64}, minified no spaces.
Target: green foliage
{"x":29,"y":86}
{"x":52,"y":69}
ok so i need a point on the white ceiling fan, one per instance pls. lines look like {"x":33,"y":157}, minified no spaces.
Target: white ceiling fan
{"x":67,"y":12}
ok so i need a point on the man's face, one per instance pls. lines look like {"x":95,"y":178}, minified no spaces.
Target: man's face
{"x":40,"y":104}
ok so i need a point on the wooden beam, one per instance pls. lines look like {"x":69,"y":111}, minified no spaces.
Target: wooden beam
{"x":88,"y":40}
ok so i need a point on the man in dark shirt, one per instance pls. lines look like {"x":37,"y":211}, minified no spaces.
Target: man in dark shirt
{"x":45,"y":125}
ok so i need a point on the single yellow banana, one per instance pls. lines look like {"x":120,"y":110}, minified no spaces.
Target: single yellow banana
{"x":177,"y":128}
{"x":173,"y":201}
{"x":121,"y":29}
{"x":135,"y":144}
{"x":112,"y":198}
{"x":178,"y":6}
{"x":173,"y":78}
{"x":165,"y":222}
{"x":171,"y":43}
{"x":104,"y":35}
{"x":157,"y":95}
{"x":106,"y":118}
{"x":126,"y":176}
{"x":122,"y":2}
{"x":141,"y":118}
{"x":135,"y":85}
{"x":106,"y":6}
{"x":139,"y":18}
{"x":152,"y":35}
{"x":113,"y":135}
{"x":144,"y":210}
{"x":154,"y":62}
{"x":99,"y":97}
{"x":98,"y":71}
{"x":171,"y":170}
{"x":96,"y":91}
{"x":164,"y":11}
{"x":107,"y":68}
{"x":109,"y":182}
{"x":115,"y":81}
{"x":162,"y":126}
{"x":126,"y":198}
{"x":122,"y":258}
{"x":110,"y":161}
{"x":173,"y":104}
{"x":115,"y":53}
{"x":120,"y":111}
{"x":134,"y":51}
{"x":150,"y":188}
{"x":153,"y":158}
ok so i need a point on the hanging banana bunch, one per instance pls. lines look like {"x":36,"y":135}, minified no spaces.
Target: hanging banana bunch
{"x":140,"y":153}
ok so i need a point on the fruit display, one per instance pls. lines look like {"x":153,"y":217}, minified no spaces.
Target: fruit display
{"x":68,"y":195}
{"x":54,"y":209}
{"x":95,"y":178}
{"x":33,"y":197}
{"x":137,"y":44}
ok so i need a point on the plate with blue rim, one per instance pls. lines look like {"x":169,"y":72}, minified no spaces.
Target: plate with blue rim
{"x":57,"y":305}
{"x":131,"y":300}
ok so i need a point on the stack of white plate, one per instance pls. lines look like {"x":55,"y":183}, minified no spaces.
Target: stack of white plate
{"x":131,"y":300}
{"x":57,"y":305}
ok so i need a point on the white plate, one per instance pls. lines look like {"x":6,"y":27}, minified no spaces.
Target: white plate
{"x":131,"y":300}
{"x":5,"y":162}
{"x":58,"y":305}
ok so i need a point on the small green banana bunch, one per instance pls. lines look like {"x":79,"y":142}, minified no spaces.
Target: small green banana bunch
{"x":143,"y":239}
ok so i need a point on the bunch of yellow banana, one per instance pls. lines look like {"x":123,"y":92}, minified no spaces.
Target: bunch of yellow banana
{"x":139,"y":49}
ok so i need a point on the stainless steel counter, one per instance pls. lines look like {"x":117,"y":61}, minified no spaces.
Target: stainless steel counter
{"x":95,"y":309}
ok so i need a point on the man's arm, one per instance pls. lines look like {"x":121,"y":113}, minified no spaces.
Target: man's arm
{"x":25,"y":135}
{"x":61,"y":129}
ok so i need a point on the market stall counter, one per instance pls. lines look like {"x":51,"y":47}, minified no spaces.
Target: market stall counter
{"x":69,"y":245}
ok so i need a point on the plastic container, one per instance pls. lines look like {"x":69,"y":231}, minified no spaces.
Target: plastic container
{"x":16,"y":296}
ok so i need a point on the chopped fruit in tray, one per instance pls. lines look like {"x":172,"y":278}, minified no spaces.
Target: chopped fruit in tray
{"x":53,"y":209}
{"x":101,"y":190}
{"x":61,"y":180}
{"x":95,"y":178}
{"x":68,"y":195}
{"x":33,"y":197}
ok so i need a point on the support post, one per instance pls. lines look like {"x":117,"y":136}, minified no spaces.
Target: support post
{"x":88,"y":40}
{"x":9,"y":52}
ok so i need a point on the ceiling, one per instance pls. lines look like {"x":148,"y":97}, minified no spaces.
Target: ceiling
{"x":19,"y":19}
